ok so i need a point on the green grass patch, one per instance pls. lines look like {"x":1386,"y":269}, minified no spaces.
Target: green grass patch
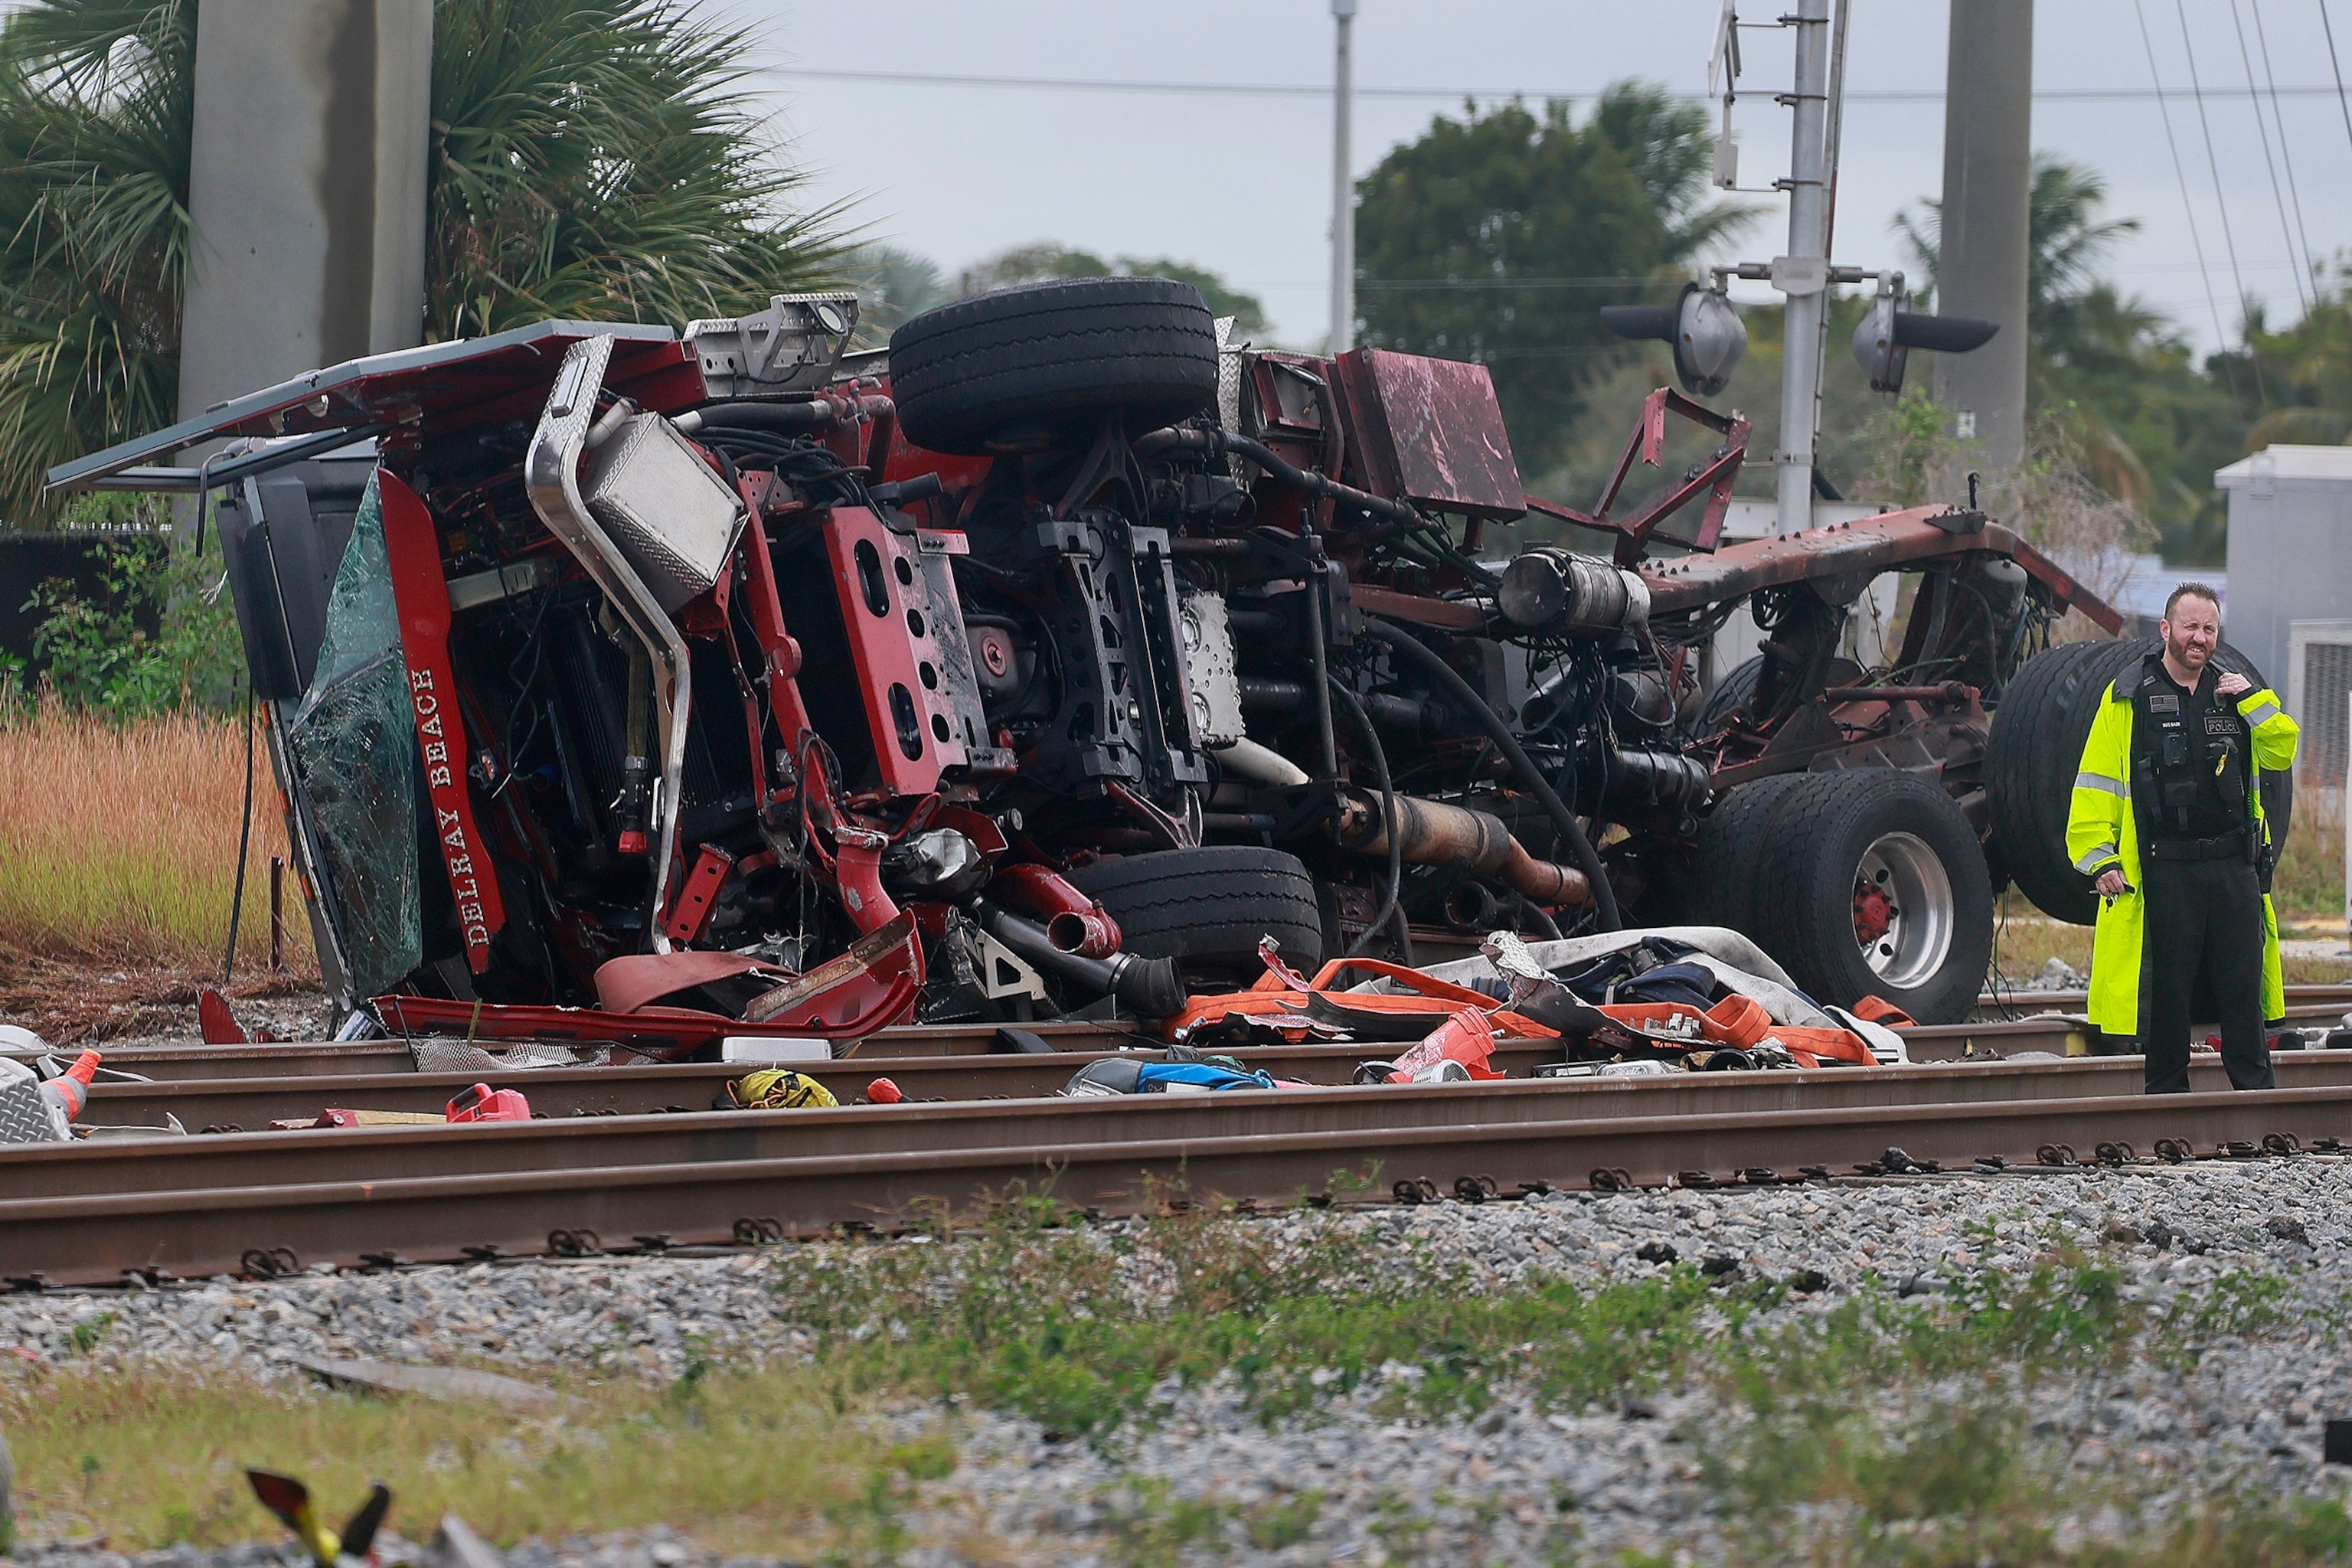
{"x":776,"y":1459}
{"x":1038,"y":1313}
{"x":1859,"y":1429}
{"x":1083,"y":1328}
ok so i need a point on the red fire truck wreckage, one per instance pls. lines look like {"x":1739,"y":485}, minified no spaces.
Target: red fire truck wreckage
{"x":631,"y":686}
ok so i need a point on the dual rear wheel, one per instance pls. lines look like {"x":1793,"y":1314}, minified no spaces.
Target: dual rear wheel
{"x":1863,"y":883}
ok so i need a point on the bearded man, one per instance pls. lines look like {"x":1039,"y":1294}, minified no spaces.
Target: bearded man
{"x":2166,"y":822}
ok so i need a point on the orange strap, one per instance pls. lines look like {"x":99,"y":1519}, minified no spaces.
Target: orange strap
{"x":1436,"y":999}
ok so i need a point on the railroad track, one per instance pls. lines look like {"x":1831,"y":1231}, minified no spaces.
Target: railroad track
{"x":2307,"y":1004}
{"x":252,"y":1104}
{"x":270,"y":1201}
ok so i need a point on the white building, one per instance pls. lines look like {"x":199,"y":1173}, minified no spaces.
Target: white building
{"x":2290,"y":607}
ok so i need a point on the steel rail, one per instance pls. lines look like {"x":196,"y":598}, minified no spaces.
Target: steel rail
{"x":250,"y":1105}
{"x":49,"y":1169}
{"x":2305,"y":1004}
{"x":97,"y":1238}
{"x":396,"y":1153}
{"x":289,"y":1059}
{"x":2309,"y":1002}
{"x":2043,"y":1030}
{"x":1946,"y":1042}
{"x":959,"y":1044}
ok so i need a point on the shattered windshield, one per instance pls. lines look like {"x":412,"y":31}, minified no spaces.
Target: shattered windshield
{"x":354,"y":749}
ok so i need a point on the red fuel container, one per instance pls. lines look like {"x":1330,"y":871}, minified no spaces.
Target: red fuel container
{"x":483,"y":1103}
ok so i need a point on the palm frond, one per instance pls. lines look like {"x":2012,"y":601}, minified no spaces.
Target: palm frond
{"x":96,"y":105}
{"x":596,"y":159}
{"x":599,"y":159}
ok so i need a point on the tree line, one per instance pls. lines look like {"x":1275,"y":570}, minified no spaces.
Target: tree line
{"x":599,"y":159}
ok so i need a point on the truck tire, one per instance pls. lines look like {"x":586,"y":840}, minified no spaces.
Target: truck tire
{"x":2036,"y":748}
{"x":1732,"y":838}
{"x":2031,"y":760}
{"x":1875,"y":886}
{"x":1008,"y":368}
{"x":1206,"y":908}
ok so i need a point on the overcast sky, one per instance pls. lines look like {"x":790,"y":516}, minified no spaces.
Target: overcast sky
{"x":1239,"y":182}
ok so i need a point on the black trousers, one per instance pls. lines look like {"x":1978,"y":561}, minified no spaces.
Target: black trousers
{"x":2202,"y":915}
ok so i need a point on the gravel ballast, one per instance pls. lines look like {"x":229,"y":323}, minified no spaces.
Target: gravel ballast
{"x":2249,"y":1414}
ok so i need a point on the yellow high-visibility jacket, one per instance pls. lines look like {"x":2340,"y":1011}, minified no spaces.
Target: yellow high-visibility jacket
{"x":2102,"y":831}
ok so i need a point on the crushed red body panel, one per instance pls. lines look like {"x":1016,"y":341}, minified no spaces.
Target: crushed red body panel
{"x":731,"y":707}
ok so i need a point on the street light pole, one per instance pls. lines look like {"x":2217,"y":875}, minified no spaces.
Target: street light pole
{"x":1343,"y":188}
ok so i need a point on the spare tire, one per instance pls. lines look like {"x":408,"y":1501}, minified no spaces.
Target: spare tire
{"x":1872,"y":884}
{"x":1207,"y":908}
{"x":1039,"y":362}
{"x":2036,"y":749}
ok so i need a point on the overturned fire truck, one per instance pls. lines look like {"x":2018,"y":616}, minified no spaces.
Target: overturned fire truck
{"x":629,"y":685}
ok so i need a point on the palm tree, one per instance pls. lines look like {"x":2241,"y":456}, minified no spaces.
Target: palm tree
{"x":2067,"y":242}
{"x":96,"y":101}
{"x":2119,"y":385}
{"x":588,"y":158}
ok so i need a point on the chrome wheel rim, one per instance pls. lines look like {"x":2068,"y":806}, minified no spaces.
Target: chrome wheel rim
{"x":1903,"y":915}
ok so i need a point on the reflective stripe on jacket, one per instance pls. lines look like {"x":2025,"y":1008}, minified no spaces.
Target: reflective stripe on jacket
{"x":2102,"y":832}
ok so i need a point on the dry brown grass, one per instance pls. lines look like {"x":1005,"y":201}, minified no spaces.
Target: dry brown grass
{"x":117,"y":856}
{"x":2310,"y":881}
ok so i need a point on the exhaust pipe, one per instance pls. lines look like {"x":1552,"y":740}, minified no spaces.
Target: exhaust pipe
{"x":1432,"y":834}
{"x":1073,"y":922}
{"x":1150,"y":986}
{"x":1474,"y":906}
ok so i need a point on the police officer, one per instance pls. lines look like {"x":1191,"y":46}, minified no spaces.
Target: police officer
{"x":2167,"y":822}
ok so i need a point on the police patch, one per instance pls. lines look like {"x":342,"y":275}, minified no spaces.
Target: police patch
{"x":2164,"y":702}
{"x":2220,"y":724}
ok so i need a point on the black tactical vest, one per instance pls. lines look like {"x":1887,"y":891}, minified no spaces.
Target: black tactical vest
{"x":2184,"y":749}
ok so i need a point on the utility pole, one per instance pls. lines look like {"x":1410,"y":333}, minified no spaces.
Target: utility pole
{"x":1987,"y":180}
{"x":1343,"y":186}
{"x":306,"y":189}
{"x":1802,"y":274}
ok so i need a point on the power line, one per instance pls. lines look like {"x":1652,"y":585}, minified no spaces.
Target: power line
{"x":2293,"y":191}
{"x":2342,"y":101}
{"x":1595,"y":282}
{"x":2278,"y":196}
{"x":1455,"y":94}
{"x":2124,"y":269}
{"x":2220,"y":199}
{"x":2181,"y":173}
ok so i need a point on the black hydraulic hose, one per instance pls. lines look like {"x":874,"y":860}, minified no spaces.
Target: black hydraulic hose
{"x":1437,"y":670}
{"x":1315,"y":642}
{"x":1219,"y":442}
{"x":1392,"y":825}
